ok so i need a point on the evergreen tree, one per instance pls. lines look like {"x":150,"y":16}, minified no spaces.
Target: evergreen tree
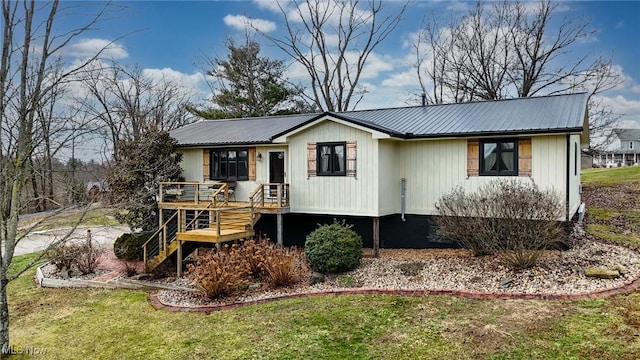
{"x":248,"y":85}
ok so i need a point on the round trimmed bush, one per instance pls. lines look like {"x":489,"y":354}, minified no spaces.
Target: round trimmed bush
{"x":333,"y":248}
{"x":129,"y":246}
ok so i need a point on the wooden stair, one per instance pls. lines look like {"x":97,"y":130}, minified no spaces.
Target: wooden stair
{"x":224,"y":225}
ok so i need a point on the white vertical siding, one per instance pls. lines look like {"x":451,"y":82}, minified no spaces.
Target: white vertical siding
{"x":549,"y":163}
{"x":339,"y":195}
{"x":389,"y":181}
{"x":192,"y":164}
{"x":434,"y":168}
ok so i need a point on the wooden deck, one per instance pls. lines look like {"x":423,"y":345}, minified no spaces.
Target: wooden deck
{"x":210,"y":235}
{"x":204,"y":213}
{"x":269,"y":207}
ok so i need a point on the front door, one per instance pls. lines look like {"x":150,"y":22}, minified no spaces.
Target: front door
{"x":276,"y":170}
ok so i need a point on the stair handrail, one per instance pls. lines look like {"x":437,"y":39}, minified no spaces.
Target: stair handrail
{"x":156,"y":233}
{"x":223,"y":190}
{"x":257,"y":195}
{"x":195,"y":218}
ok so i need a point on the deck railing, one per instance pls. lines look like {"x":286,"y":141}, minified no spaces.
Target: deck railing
{"x":270,"y":194}
{"x":194,"y":192}
{"x":160,"y":239}
{"x":207,"y":206}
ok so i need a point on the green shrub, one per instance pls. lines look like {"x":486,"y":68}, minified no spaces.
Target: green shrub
{"x":333,"y":248}
{"x":129,"y":246}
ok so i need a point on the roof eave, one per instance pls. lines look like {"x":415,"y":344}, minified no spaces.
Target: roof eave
{"x":574,"y":130}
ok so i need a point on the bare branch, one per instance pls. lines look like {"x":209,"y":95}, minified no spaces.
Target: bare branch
{"x":332,"y":40}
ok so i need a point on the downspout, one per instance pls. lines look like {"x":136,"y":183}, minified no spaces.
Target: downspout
{"x":403,"y":196}
{"x":568,"y":174}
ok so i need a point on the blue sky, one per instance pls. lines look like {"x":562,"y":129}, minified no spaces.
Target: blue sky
{"x":171,"y":37}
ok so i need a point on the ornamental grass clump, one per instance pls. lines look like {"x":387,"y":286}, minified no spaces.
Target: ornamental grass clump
{"x":232,"y":270}
{"x":254,"y":254}
{"x":513,"y":219}
{"x":333,"y":248}
{"x":219,"y":274}
{"x":284,"y":266}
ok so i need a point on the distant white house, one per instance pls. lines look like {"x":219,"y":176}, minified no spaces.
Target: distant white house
{"x":624,"y":151}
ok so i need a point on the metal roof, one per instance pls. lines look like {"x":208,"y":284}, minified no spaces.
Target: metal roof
{"x":523,"y":115}
{"x":258,"y":130}
{"x":548,"y":114}
{"x":627,"y":134}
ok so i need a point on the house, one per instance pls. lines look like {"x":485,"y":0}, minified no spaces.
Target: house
{"x":383,"y":170}
{"x":626,"y":149}
{"x":95,"y":190}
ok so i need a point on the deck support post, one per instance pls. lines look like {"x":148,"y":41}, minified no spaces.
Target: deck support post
{"x":179,"y":257}
{"x":376,"y":237}
{"x":279,"y":235}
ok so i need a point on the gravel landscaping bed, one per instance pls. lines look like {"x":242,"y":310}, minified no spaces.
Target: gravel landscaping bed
{"x":559,"y":272}
{"x":50,"y":271}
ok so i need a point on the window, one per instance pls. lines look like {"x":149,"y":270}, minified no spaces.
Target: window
{"x":499,"y":157}
{"x":630,"y":145}
{"x":229,"y":164}
{"x":331,"y":159}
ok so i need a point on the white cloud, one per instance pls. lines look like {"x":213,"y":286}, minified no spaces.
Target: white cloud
{"x":621,"y":105}
{"x":168,"y":74}
{"x":297,"y":72}
{"x":374,"y":66}
{"x":458,"y":6}
{"x":271,"y":4}
{"x":87,"y":48}
{"x":630,"y":109}
{"x":241,"y":22}
{"x":381,"y":97}
{"x":407,"y":78}
{"x":329,"y":10}
{"x":194,"y":84}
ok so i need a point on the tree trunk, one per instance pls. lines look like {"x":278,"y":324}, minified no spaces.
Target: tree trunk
{"x":4,"y":319}
{"x":34,"y":187}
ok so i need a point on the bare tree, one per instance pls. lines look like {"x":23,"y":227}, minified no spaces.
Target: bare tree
{"x":332,"y":40}
{"x":29,"y":72}
{"x":512,"y":50}
{"x":55,"y":128}
{"x":433,"y":50}
{"x":124,"y":102}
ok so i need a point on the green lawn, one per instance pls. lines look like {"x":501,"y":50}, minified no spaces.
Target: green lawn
{"x":601,"y":218}
{"x":98,"y":216}
{"x":609,"y":177}
{"x":106,"y":324}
